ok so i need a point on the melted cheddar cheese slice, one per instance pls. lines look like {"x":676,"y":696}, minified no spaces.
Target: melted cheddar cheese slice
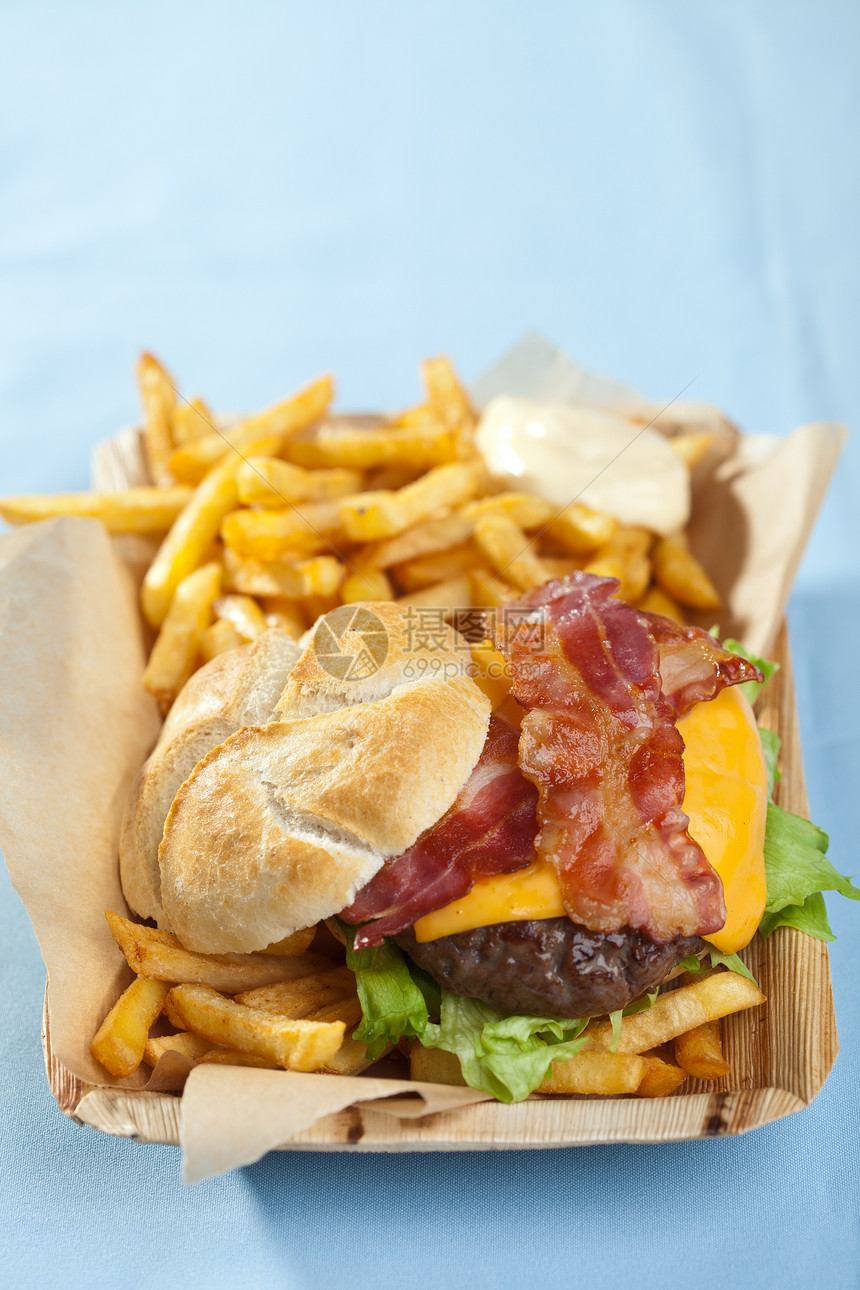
{"x":726,"y":800}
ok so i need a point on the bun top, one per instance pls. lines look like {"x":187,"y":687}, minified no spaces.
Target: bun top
{"x":236,"y":689}
{"x":357,"y":748}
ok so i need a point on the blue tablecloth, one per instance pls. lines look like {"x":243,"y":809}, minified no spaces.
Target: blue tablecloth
{"x":259,"y":192}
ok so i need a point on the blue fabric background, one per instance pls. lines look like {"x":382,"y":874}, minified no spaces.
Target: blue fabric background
{"x":261,"y":191}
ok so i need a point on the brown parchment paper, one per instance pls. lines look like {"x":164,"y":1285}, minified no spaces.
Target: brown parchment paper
{"x":75,"y":726}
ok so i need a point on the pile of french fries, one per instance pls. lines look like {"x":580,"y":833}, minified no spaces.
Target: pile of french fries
{"x":292,"y":512}
{"x":278,"y":519}
{"x":291,"y":1007}
{"x":288,"y":1008}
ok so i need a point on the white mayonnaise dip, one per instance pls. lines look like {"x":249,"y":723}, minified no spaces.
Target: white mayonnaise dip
{"x":567,"y":453}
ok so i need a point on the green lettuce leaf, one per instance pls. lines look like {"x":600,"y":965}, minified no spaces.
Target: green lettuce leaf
{"x":505,"y":1056}
{"x":798,"y":871}
{"x":393,"y":1001}
{"x":752,"y":689}
{"x":770,"y":743}
{"x":733,"y":962}
{"x":810,"y":917}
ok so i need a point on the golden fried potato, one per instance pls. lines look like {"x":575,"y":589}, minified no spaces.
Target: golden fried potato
{"x":192,"y":420}
{"x":295,"y":1045}
{"x":159,"y":956}
{"x":183,"y":1042}
{"x":682,"y":576}
{"x":509,"y":551}
{"x":218,"y":638}
{"x":677,"y":1011}
{"x":264,"y":434}
{"x":135,"y":510}
{"x":243,"y":613}
{"x":660,"y":1078}
{"x":699,"y":1052}
{"x":179,"y":641}
{"x":158,"y":399}
{"x":369,"y":517}
{"x":298,"y":579}
{"x":266,"y":481}
{"x":604,"y":1074}
{"x":120,"y":1040}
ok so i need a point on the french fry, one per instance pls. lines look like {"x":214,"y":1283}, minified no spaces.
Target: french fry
{"x":264,"y":434}
{"x":556,"y":566}
{"x":283,"y":995}
{"x":278,"y":535}
{"x":692,"y":447}
{"x":357,"y":447}
{"x":176,"y":647}
{"x":625,"y":557}
{"x":656,"y":601}
{"x":293,"y":579}
{"x":283,"y":613}
{"x":192,"y":420}
{"x":424,"y":570}
{"x":135,"y":510}
{"x":660,"y":1078}
{"x":158,"y":399}
{"x":699,"y":1052}
{"x":525,"y":509}
{"x":185,"y":546}
{"x":295,"y":1045}
{"x":229,"y":1057}
{"x":159,"y":956}
{"x":456,"y":593}
{"x":391,"y":477}
{"x":290,"y":1000}
{"x":346,"y":1010}
{"x":368,"y":517}
{"x":603,"y":1074}
{"x":365,"y":582}
{"x":243,"y":613}
{"x":316,"y":606}
{"x":581,"y":530}
{"x":434,"y":1066}
{"x":350,"y":1059}
{"x":449,"y":401}
{"x":295,"y":943}
{"x":681,"y":575}
{"x":120,"y":1040}
{"x":266,"y":481}
{"x":183,"y":1042}
{"x":424,"y":539}
{"x":218,"y":638}
{"x":452,"y":530}
{"x":488,"y":590}
{"x":677,"y":1011}
{"x":510,"y":552}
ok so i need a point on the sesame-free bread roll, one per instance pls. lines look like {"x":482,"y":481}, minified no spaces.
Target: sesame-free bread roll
{"x":281,"y":825}
{"x":286,"y":775}
{"x":238,"y":688}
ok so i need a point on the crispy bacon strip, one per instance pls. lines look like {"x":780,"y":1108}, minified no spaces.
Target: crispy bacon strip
{"x":693,"y":665}
{"x":490,"y":829}
{"x":601,"y":746}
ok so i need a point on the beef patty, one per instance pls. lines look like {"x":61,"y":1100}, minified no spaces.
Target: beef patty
{"x":548,"y":967}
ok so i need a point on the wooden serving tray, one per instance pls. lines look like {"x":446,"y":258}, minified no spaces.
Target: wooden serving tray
{"x":780,"y":1054}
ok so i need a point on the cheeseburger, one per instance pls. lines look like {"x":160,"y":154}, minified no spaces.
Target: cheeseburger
{"x":555,"y":856}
